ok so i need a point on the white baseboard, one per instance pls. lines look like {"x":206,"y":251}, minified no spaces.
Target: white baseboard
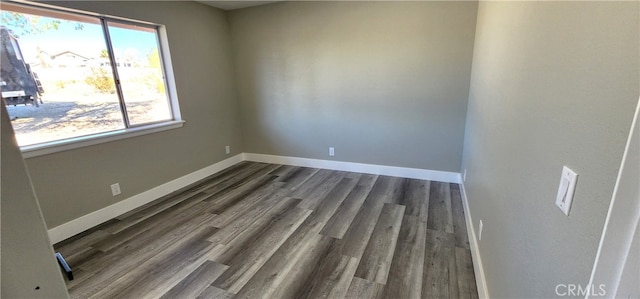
{"x":413,"y":173}
{"x":90,"y":220}
{"x":483,"y":291}
{"x":98,"y":217}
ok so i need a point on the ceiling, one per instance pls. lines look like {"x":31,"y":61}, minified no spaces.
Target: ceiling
{"x":231,"y":5}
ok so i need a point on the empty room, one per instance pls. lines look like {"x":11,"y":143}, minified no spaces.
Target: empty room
{"x":334,"y":149}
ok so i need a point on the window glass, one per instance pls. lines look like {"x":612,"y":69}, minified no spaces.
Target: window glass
{"x":59,"y":81}
{"x":75,"y":95}
{"x":140,"y":70}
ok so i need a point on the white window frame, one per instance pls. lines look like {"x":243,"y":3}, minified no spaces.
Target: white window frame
{"x":45,"y":148}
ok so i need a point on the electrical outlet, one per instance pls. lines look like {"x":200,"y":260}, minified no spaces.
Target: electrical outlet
{"x":464,"y":175}
{"x":227,"y":149}
{"x":115,"y":189}
{"x":480,"y":227}
{"x":332,"y":151}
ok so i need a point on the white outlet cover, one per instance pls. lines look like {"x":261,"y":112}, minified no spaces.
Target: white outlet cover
{"x":566,"y":190}
{"x":332,"y":151}
{"x":480,"y":227}
{"x":115,"y":189}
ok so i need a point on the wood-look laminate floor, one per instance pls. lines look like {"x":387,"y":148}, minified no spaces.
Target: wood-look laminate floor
{"x":260,"y":230}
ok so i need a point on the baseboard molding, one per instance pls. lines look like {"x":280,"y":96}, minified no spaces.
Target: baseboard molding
{"x":413,"y":173}
{"x":483,"y":291}
{"x":90,"y":220}
{"x":98,"y":217}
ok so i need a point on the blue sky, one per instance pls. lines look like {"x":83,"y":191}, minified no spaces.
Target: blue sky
{"x":88,"y":41}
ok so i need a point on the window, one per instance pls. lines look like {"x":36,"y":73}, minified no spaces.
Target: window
{"x":70,"y":77}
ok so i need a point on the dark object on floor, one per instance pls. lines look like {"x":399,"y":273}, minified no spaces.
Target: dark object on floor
{"x":64,"y":265}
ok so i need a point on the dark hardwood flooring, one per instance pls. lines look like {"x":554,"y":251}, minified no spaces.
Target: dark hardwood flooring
{"x":260,"y":230}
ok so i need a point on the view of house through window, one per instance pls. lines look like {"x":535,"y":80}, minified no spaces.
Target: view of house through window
{"x":60,"y":74}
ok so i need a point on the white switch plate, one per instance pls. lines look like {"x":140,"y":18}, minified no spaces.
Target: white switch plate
{"x":332,"y":151}
{"x":566,"y":190}
{"x":115,"y":189}
{"x":227,"y":149}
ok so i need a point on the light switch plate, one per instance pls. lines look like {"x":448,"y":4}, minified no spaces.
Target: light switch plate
{"x":566,"y":189}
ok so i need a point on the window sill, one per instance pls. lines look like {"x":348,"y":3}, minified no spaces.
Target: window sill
{"x":30,"y":151}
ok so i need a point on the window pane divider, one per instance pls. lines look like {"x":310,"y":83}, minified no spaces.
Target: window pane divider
{"x":156,"y":75}
{"x":116,"y":77}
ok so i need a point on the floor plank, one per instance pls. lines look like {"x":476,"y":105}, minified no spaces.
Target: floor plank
{"x":459,"y":223}
{"x":234,"y":237}
{"x":376,"y":260}
{"x":161,"y":273}
{"x":228,"y":197}
{"x":362,"y":288}
{"x":298,"y":272}
{"x":311,"y":183}
{"x":357,"y":235}
{"x":438,"y":248}
{"x":191,"y":189}
{"x":332,"y":277}
{"x":297,"y":177}
{"x":406,"y":272}
{"x":282,"y":171}
{"x":131,"y":220}
{"x":282,"y":264}
{"x":305,"y":245}
{"x":337,"y":226}
{"x":440,"y":216}
{"x":82,"y":245}
{"x":258,"y":230}
{"x":466,"y":280}
{"x":246,"y":262}
{"x":416,"y":198}
{"x":197,"y":281}
{"x":251,"y":201}
{"x":156,"y":233}
{"x":214,"y":292}
{"x":454,"y":291}
{"x":313,"y":198}
{"x":162,"y":222}
{"x":239,"y":177}
{"x":108,"y":275}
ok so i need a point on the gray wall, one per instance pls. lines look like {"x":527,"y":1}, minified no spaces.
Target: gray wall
{"x":74,"y":183}
{"x":384,"y":83}
{"x":29,"y":268}
{"x":553,"y":84}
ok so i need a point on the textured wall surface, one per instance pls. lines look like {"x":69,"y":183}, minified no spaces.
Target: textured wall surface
{"x":383,"y":82}
{"x":29,"y":269}
{"x":74,"y":183}
{"x":553,"y":84}
{"x":511,"y":97}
